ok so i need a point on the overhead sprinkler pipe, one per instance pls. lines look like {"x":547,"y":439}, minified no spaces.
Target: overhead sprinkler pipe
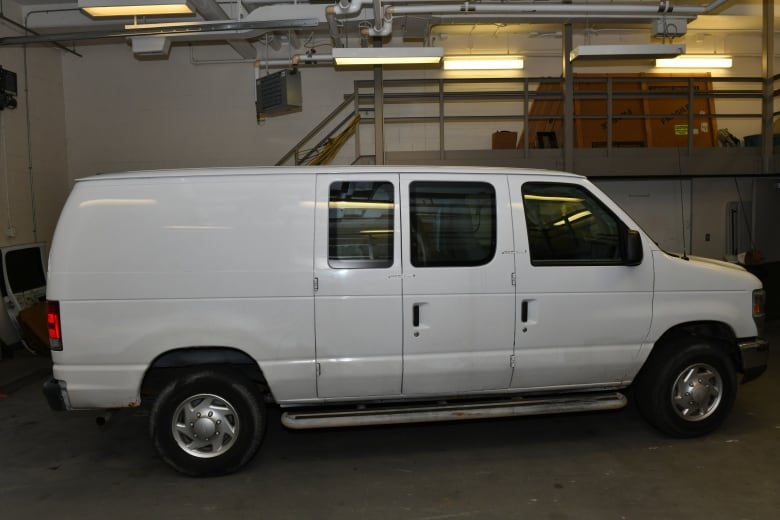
{"x":714,"y":5}
{"x":380,"y":30}
{"x":538,"y":9}
{"x":333,"y":26}
{"x":350,"y":7}
{"x":378,"y":22}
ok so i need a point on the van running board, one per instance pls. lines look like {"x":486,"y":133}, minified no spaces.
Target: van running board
{"x":364,"y":416}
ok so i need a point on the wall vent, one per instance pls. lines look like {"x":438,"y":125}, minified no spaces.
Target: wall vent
{"x":279,"y":93}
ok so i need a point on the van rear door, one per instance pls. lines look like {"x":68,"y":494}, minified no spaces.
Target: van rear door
{"x":357,"y":300}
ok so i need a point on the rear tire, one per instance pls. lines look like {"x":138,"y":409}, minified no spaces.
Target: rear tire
{"x":688,"y":388}
{"x":208,"y":423}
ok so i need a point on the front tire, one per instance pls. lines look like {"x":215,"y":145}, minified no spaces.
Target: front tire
{"x":688,"y":388}
{"x":208,"y":423}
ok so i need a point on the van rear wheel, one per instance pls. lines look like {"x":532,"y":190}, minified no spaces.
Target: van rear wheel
{"x":688,"y":388}
{"x":208,"y":423}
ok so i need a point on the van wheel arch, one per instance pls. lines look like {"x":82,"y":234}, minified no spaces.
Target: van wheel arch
{"x":177,"y":363}
{"x":717,"y":333}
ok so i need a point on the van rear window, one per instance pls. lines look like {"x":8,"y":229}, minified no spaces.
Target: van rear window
{"x":360,"y":225}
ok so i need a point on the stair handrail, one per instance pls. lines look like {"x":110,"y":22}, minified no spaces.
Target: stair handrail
{"x":348,"y":100}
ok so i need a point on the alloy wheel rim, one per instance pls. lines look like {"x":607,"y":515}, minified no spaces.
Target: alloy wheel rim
{"x":205,"y":425}
{"x":697,"y":392}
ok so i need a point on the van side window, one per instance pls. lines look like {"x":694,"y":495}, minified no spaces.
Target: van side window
{"x":453,"y":224}
{"x":569,"y":226}
{"x":360,"y":227}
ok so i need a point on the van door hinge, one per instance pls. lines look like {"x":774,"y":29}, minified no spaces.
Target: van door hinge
{"x":514,"y":278}
{"x":512,"y":361}
{"x":316,"y":284}
{"x":318,"y":368}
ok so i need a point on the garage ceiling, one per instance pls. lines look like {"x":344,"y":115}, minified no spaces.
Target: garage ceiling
{"x":281,"y":28}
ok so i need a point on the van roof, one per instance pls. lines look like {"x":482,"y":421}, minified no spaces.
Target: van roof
{"x":292,"y":170}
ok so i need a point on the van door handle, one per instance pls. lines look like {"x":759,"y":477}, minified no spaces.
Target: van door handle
{"x":524,"y":311}
{"x":416,"y":315}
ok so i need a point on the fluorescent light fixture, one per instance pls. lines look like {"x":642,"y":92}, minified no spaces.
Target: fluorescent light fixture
{"x":694,"y":61}
{"x":483,"y":63}
{"x":100,"y":8}
{"x":626,"y":52}
{"x":387,"y":55}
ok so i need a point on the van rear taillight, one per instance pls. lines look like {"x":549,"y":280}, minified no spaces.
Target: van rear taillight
{"x":53,"y":321}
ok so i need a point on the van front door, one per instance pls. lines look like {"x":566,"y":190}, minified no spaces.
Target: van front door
{"x":584,"y":309}
{"x":458,"y":298}
{"x":357,"y":302}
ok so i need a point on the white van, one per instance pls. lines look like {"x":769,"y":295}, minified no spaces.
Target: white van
{"x":368,"y":295}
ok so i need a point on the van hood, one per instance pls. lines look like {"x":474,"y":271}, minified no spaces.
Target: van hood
{"x":700,"y":274}
{"x":712,"y":261}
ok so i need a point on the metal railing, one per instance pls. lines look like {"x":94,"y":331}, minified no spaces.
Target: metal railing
{"x":522,"y":93}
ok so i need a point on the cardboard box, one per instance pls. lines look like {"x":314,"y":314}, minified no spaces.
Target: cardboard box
{"x":35,"y":328}
{"x":504,"y":139}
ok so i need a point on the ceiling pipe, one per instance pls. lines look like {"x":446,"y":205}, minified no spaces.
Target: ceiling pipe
{"x":571,"y":10}
{"x":377,"y":13}
{"x":714,"y":5}
{"x":531,"y":12}
{"x":333,"y":26}
{"x":293,"y":62}
{"x":383,"y":30}
{"x":350,"y":7}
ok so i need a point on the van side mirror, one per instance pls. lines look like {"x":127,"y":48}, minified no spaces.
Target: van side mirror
{"x":633,"y":247}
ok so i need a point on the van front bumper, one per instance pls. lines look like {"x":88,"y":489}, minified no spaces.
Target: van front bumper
{"x":56,"y":394}
{"x":754,"y":354}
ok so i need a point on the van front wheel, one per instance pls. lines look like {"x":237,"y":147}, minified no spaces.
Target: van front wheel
{"x":208,"y":423}
{"x":688,"y":388}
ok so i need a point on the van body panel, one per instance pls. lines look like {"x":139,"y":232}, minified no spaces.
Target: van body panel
{"x":261,"y":328}
{"x":703,"y":274}
{"x":702,"y":290}
{"x":145,"y":266}
{"x":173,"y":237}
{"x":100,"y":386}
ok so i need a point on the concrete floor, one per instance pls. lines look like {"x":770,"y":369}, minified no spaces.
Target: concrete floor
{"x":603,"y":466}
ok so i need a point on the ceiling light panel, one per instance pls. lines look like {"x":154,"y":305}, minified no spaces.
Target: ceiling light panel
{"x":483,"y":63}
{"x":387,"y":55}
{"x":696,"y":61}
{"x":106,"y":8}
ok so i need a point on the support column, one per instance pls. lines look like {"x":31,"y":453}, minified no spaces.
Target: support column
{"x":379,"y":116}
{"x":767,"y":71}
{"x":568,"y":100}
{"x":356,"y":93}
{"x":441,"y":120}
